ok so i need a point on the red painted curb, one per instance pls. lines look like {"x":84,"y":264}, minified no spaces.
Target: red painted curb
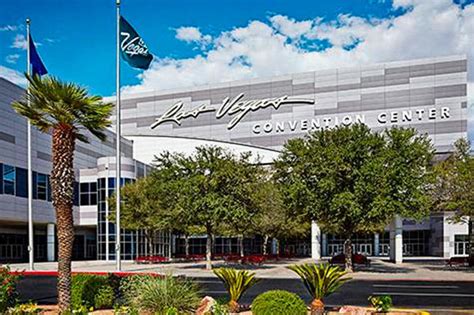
{"x":53,"y":273}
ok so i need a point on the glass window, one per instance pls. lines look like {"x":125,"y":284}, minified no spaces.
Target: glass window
{"x":8,"y":180}
{"x":88,"y":194}
{"x":84,"y":187}
{"x":42,"y":186}
{"x":111,"y":182}
{"x":461,"y":245}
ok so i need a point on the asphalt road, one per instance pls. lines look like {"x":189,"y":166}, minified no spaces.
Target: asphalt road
{"x":419,"y":294}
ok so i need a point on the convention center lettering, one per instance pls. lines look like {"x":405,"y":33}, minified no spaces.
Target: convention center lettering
{"x":239,"y":108}
{"x":235,"y":106}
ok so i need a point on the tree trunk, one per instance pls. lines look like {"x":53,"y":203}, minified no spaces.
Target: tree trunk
{"x":241,"y":245}
{"x":265,"y":245}
{"x":348,"y":255}
{"x":317,"y":307}
{"x":277,"y":247}
{"x":149,"y":243}
{"x":471,"y":241}
{"x":62,"y":184}
{"x":152,"y":243}
{"x":186,"y":245}
{"x":209,"y":250}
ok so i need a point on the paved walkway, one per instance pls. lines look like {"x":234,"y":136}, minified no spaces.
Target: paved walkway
{"x":379,"y":269}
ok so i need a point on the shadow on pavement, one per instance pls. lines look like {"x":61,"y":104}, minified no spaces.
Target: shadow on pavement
{"x":378,"y":267}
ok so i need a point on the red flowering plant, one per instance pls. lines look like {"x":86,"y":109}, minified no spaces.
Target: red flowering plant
{"x":8,"y":292}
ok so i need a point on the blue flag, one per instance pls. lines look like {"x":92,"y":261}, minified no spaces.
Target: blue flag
{"x":37,"y":66}
{"x":132,"y":47}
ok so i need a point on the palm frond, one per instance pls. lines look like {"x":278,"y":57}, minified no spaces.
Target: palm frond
{"x":236,"y":282}
{"x":321,"y":280}
{"x":50,"y":102}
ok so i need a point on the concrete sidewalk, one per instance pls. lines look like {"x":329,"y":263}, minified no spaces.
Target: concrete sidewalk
{"x":379,"y":269}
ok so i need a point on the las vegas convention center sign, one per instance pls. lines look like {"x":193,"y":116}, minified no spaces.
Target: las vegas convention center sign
{"x":237,"y":108}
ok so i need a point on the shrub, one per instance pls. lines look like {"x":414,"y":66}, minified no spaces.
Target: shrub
{"x":24,"y":309}
{"x":104,"y":298}
{"x":220,"y":308}
{"x":381,"y":303}
{"x":236,"y":283}
{"x":278,"y":302}
{"x":321,"y":281}
{"x":94,"y":291}
{"x":80,"y":310}
{"x":8,"y":292}
{"x":84,"y":289}
{"x":125,"y":310}
{"x":158,"y":295}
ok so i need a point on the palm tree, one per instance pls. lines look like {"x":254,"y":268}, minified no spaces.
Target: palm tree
{"x":321,"y":281}
{"x":236,"y":283}
{"x":68,"y":112}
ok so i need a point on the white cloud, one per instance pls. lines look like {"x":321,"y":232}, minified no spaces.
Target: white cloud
{"x":290,"y":27}
{"x":191,"y":34}
{"x":12,"y":76}
{"x":19,"y":42}
{"x":7,"y":28}
{"x":266,"y":48}
{"x":12,"y":58}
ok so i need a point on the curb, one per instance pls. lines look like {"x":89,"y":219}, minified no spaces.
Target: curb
{"x":53,"y":273}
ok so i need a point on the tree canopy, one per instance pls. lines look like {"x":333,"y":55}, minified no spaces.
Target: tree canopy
{"x":454,"y":188}
{"x":352,"y":180}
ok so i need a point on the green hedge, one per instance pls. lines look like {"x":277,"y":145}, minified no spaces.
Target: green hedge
{"x":278,"y":302}
{"x":92,"y":291}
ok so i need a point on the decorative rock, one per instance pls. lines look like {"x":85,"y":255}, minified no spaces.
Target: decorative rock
{"x":205,"y":306}
{"x":353,"y":310}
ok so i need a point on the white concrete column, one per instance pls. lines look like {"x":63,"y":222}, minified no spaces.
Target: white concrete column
{"x":274,"y":246}
{"x":315,"y":241}
{"x":396,"y":240}
{"x":376,"y":244}
{"x":324,"y":246}
{"x":170,"y":245}
{"x":50,"y":240}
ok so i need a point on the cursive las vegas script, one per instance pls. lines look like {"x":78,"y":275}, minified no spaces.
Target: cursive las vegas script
{"x":133,"y":46}
{"x":231,"y":107}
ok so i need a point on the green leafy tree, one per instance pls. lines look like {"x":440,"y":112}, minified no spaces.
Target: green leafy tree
{"x":454,"y":188}
{"x":248,"y":180}
{"x":143,"y":208}
{"x":210,"y":189}
{"x":352,"y":180}
{"x":273,"y":219}
{"x":153,"y":203}
{"x":67,"y":112}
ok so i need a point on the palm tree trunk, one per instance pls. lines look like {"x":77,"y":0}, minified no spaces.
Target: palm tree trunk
{"x":317,"y":307}
{"x":62,"y":184}
{"x":348,"y":255}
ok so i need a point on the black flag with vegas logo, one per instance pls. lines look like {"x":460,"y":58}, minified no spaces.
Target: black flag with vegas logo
{"x":132,"y":47}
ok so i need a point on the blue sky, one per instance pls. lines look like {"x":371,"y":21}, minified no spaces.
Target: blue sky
{"x":201,"y":42}
{"x":77,"y":38}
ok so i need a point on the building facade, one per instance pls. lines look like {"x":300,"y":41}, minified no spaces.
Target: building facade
{"x":429,"y":95}
{"x":95,"y":182}
{"x":257,"y":115}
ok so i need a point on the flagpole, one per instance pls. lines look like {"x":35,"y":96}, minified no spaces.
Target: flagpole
{"x":117,"y":159}
{"x":30,"y":173}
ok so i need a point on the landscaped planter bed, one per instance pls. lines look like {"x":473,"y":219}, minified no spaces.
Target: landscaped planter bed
{"x":52,"y":310}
